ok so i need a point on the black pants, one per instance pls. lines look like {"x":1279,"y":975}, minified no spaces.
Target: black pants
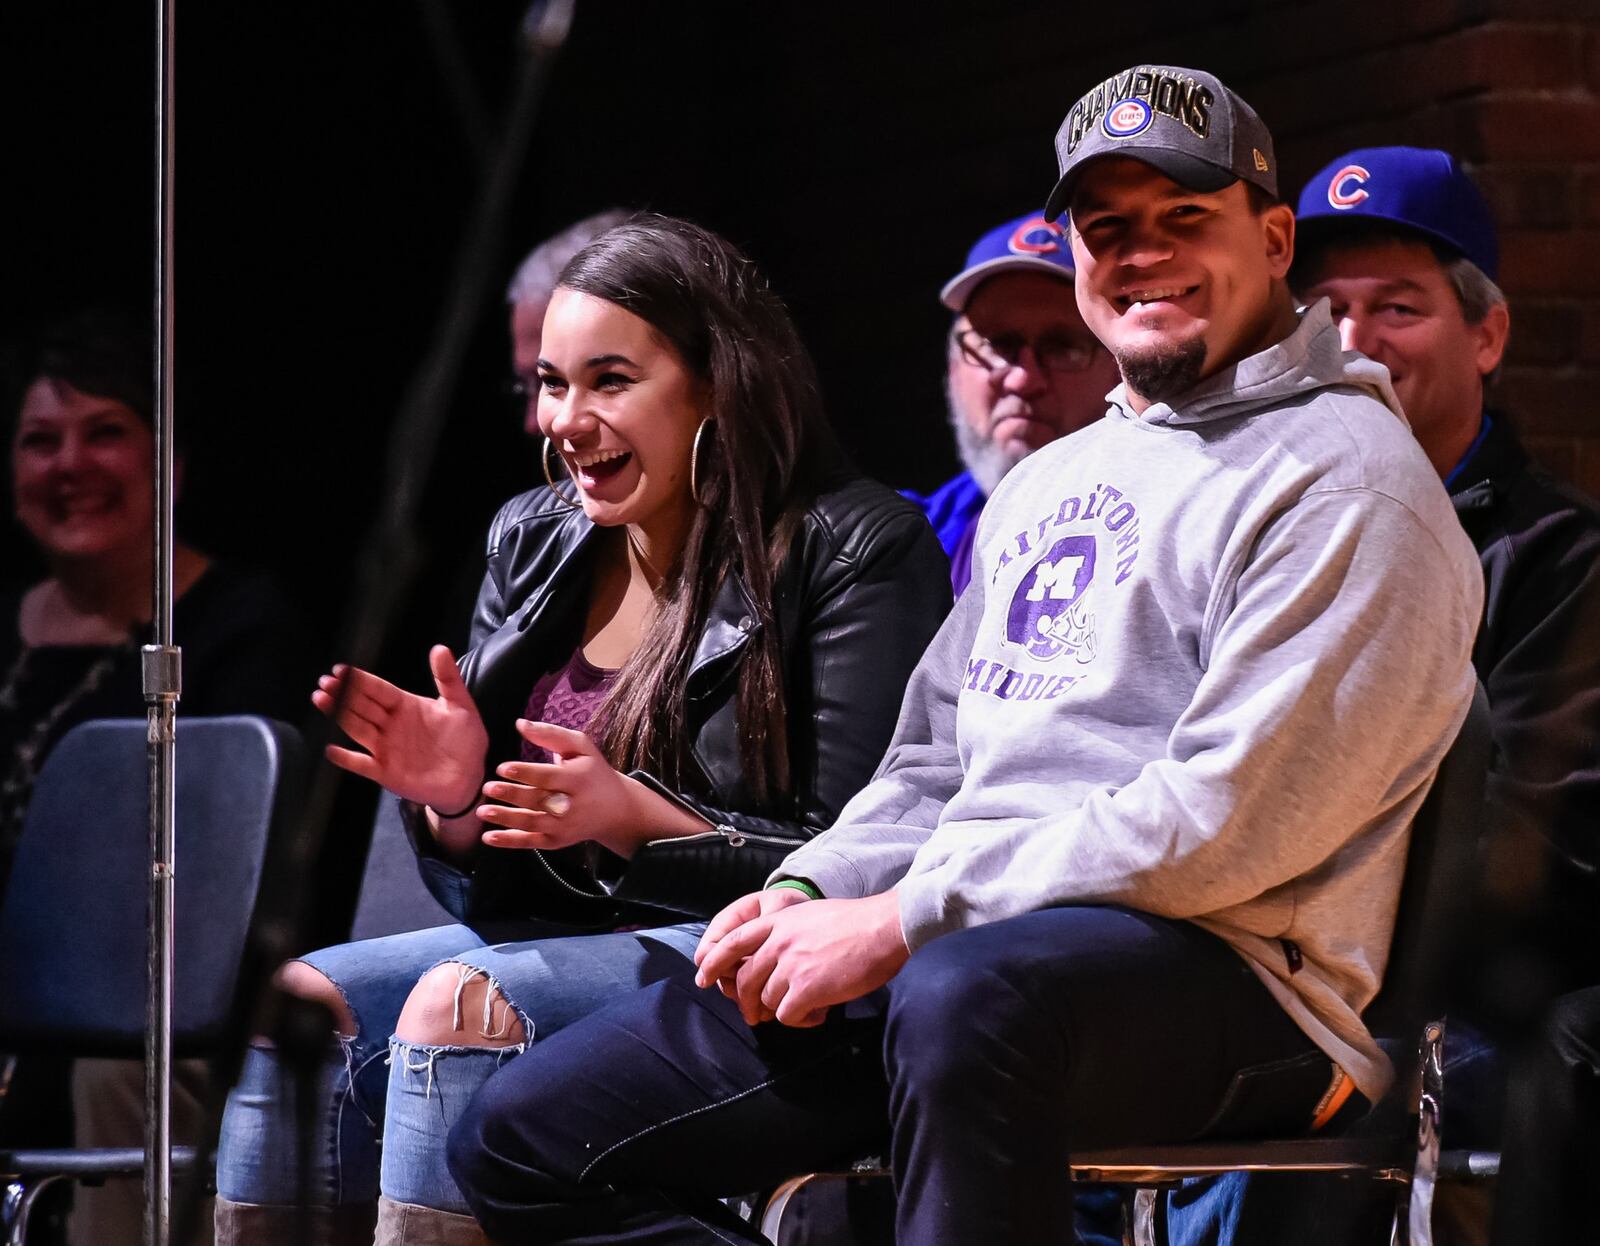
{"x":1551,"y":1152}
{"x":992,"y":1055}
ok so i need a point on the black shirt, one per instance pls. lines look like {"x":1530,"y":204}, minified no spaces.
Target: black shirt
{"x":245,"y":650}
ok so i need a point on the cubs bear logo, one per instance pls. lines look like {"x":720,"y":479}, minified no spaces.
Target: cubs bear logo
{"x":1126,"y":118}
{"x":1048,"y":616}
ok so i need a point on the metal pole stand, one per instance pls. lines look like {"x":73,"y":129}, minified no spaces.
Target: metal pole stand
{"x":163,"y":683}
{"x":162,"y":686}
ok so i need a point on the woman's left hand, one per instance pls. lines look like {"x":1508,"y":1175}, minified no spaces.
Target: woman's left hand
{"x":577,"y":797}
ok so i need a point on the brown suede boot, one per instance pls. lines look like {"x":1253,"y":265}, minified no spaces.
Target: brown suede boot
{"x":406,"y":1224}
{"x":258,"y":1224}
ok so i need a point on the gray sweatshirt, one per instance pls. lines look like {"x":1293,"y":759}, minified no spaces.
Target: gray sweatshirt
{"x":1207,"y":666}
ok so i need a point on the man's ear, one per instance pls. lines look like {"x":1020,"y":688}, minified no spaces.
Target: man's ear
{"x":1277,"y":232}
{"x":1491,"y":335}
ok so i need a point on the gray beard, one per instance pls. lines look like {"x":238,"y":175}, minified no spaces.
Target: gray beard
{"x":987,"y":462}
{"x":1164,"y":374}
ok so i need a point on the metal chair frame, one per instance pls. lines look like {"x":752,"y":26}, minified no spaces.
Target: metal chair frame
{"x":1415,"y":1166}
{"x":28,"y":1174}
{"x":1412,"y":1159}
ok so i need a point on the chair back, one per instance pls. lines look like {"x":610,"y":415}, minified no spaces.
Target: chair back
{"x":393,"y":896}
{"x":73,"y":970}
{"x":1436,"y":893}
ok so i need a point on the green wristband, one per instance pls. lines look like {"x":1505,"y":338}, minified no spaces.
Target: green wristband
{"x":798,"y":884}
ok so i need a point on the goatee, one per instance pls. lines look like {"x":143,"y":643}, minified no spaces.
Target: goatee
{"x":1165,"y":373}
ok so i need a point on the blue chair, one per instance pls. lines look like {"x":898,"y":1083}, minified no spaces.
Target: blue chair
{"x":394,"y":899}
{"x":72,"y":921}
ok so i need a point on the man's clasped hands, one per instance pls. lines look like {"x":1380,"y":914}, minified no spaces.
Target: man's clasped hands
{"x":784,"y":956}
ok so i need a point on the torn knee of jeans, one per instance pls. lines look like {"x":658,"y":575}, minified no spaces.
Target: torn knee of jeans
{"x":347,"y":1049}
{"x":442,"y":994}
{"x":418,"y":1060}
{"x":407,"y":1053}
{"x":464,"y":975}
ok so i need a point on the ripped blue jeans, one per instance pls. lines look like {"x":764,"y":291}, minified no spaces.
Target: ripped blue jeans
{"x":374,"y":1089}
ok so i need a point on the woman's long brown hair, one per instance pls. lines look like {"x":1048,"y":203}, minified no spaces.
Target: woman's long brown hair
{"x":764,"y":459}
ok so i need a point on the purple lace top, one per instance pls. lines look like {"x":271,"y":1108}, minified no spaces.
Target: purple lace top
{"x":567,"y":697}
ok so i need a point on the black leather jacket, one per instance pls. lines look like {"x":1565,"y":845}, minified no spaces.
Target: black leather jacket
{"x":1538,"y":656}
{"x":862,"y":592}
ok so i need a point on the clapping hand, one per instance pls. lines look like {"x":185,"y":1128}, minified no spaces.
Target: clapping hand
{"x":430,"y":750}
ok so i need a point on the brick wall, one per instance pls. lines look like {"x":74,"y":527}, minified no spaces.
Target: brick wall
{"x":1512,"y":87}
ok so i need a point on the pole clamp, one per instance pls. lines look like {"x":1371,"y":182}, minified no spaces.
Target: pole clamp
{"x":162,"y":667}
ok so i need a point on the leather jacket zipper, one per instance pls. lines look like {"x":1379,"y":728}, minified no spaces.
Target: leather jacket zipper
{"x":737,"y":838}
{"x":577,"y":891}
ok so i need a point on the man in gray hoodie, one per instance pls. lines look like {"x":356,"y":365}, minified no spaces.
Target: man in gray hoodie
{"x":1130,"y":867}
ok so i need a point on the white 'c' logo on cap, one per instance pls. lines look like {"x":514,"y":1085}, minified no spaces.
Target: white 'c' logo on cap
{"x":1340,"y":195}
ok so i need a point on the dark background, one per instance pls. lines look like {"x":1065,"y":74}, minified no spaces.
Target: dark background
{"x":325,"y":171}
{"x":326,"y":167}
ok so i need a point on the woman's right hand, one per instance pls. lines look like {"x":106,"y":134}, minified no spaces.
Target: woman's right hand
{"x":430,"y":750}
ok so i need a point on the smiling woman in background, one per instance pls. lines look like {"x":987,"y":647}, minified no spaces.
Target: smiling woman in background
{"x":81,"y":474}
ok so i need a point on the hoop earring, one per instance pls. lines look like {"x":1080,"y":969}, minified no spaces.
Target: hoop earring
{"x":549,"y":477}
{"x":694,"y":460}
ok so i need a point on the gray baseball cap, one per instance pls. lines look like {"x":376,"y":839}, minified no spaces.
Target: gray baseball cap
{"x":1181,"y":121}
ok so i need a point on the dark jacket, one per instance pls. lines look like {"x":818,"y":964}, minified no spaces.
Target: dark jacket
{"x":1538,"y":656}
{"x":863,"y":590}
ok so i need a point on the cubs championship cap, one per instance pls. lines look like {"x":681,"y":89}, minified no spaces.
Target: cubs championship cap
{"x":1028,"y":244}
{"x":1417,"y":188}
{"x":1181,"y":121}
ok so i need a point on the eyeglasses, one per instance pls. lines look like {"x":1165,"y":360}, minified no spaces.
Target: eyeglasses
{"x":1054,"y":354}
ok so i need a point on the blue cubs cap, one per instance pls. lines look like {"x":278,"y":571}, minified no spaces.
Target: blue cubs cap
{"x":1028,"y":244}
{"x":1417,"y":188}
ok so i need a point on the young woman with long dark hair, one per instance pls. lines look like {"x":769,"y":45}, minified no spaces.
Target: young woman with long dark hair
{"x":684,"y":661}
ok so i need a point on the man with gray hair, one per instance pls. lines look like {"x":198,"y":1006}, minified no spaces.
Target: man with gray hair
{"x":529,"y":293}
{"x":1022,"y":369}
{"x":1402,"y":245}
